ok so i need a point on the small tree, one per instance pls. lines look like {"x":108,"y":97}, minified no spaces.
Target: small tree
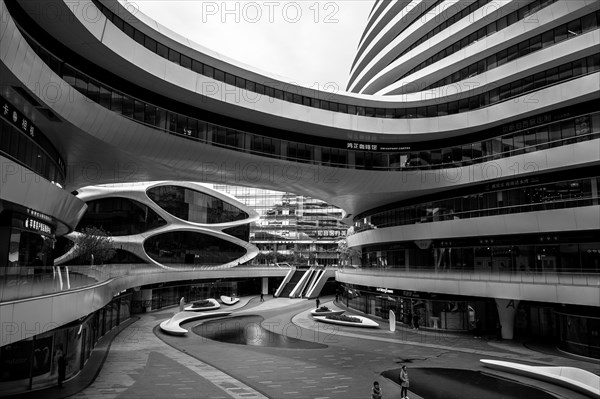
{"x":347,"y":254}
{"x":94,"y":245}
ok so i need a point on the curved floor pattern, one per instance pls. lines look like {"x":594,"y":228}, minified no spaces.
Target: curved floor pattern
{"x":139,"y":365}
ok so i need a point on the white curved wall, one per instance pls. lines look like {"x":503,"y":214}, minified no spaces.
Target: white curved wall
{"x":135,"y":243}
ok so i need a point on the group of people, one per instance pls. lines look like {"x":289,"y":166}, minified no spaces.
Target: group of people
{"x":377,"y":393}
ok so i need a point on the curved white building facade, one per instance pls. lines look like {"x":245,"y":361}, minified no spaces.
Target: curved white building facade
{"x":170,"y":224}
{"x":465,"y":150}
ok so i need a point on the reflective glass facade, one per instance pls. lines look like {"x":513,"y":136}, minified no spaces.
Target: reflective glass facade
{"x":292,"y":228}
{"x":23,"y":142}
{"x":120,"y":216}
{"x":518,"y":254}
{"x":382,"y":156}
{"x":25,"y":240}
{"x":32,"y":363}
{"x":539,"y":42}
{"x":186,"y":247}
{"x":194,"y":206}
{"x":513,"y":196}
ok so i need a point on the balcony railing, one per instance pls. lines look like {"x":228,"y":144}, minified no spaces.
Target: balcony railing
{"x":31,"y":282}
{"x":589,"y":278}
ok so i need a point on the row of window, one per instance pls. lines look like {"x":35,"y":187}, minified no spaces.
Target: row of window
{"x":341,"y":157}
{"x":22,"y":148}
{"x":415,"y":16}
{"x":517,"y":199}
{"x":289,"y":96}
{"x":450,"y":21}
{"x":516,"y":258}
{"x":546,"y":39}
{"x":482,"y":33}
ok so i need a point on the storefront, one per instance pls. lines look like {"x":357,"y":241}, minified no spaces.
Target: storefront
{"x":31,"y":363}
{"x":26,"y":239}
{"x":425,"y":310}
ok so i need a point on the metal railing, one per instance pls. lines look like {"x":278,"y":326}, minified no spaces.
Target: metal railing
{"x":24,"y":282}
{"x":583,"y":277}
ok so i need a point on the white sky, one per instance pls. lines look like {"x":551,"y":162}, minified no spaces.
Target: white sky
{"x":307,"y":41}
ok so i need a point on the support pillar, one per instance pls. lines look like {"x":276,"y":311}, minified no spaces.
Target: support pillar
{"x":265,"y":286}
{"x":506,"y":312}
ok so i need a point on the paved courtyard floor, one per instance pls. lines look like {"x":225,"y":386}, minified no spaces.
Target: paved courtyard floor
{"x":143,"y":362}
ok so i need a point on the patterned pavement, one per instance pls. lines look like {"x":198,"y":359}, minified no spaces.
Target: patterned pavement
{"x":145,"y":363}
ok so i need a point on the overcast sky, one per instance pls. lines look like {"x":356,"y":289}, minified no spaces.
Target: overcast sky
{"x":307,"y":41}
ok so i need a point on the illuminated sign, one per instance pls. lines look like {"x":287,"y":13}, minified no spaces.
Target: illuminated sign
{"x":384,"y":290}
{"x":36,"y":225}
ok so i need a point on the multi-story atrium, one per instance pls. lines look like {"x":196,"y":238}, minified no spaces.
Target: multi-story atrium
{"x":464,"y":156}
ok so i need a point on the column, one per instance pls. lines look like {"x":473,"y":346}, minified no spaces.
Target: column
{"x":265,"y":286}
{"x":506,"y":313}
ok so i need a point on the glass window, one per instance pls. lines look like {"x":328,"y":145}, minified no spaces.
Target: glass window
{"x":502,"y":57}
{"x":539,"y":80}
{"x":116,"y":103}
{"x":513,"y":52}
{"x":516,"y":88}
{"x":219,"y":75}
{"x":209,"y":71}
{"x":230,"y":79}
{"x":174,"y":56}
{"x":578,"y":67}
{"x":507,"y":145}
{"x":162,"y":50}
{"x":186,"y":61}
{"x":150,"y":44}
{"x":565,"y":71}
{"x":541,"y":137}
{"x":551,"y":76}
{"x":138,"y":110}
{"x":501,"y":23}
{"x":568,"y":130}
{"x":535,"y":43}
{"x":554,"y":134}
{"x":240,"y":82}
{"x":547,"y":39}
{"x":128,"y":29}
{"x":524,"y":48}
{"x":593,"y":63}
{"x":139,"y":37}
{"x":104,"y":98}
{"x":512,"y":18}
{"x":150,"y":115}
{"x":530,"y":140}
{"x":574,"y":28}
{"x":127,"y":107}
{"x":197,"y":66}
{"x":560,"y":33}
{"x":93,"y":91}
{"x":518,"y":143}
{"x":453,"y":107}
{"x":439,"y":110}
{"x":589,"y":23}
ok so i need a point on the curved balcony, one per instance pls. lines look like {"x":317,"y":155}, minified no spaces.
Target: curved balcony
{"x":46,"y":298}
{"x":569,"y":288}
{"x":586,"y":218}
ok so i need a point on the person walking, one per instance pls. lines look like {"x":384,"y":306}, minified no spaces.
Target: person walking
{"x":416,"y":320}
{"x":404,"y":383}
{"x":61,"y":362}
{"x":262,"y":297}
{"x":318,"y":302}
{"x":376,"y":393}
